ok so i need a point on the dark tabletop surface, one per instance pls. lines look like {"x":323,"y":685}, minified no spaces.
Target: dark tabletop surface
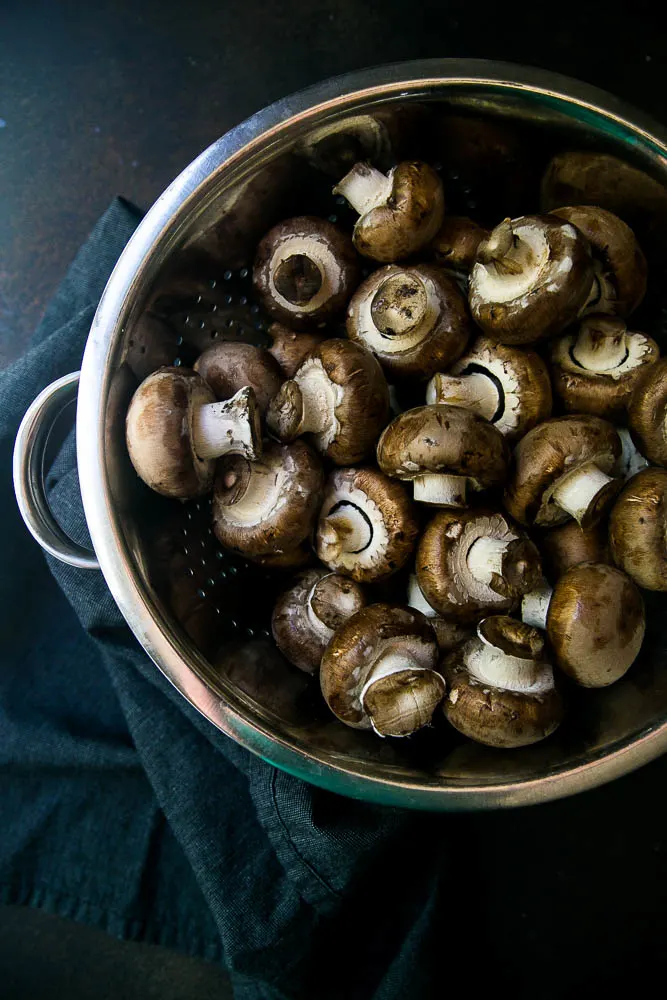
{"x":118,"y":96}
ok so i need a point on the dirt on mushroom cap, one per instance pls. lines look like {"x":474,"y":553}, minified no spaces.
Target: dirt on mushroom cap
{"x":442,"y":438}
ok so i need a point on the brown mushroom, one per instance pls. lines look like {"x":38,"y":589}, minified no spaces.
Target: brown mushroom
{"x":594,"y":618}
{"x":569,"y":545}
{"x":564,"y":468}
{"x":339,"y":397}
{"x":647,"y":412}
{"x":367,"y":526}
{"x":268,"y":506}
{"x":619,"y":264}
{"x":456,"y":243}
{"x":501,"y":689}
{"x":175,"y":430}
{"x":308,"y":613}
{"x":399,"y":212}
{"x":448,"y":635}
{"x":413,"y":319}
{"x":475,"y":562}
{"x":596,"y":369}
{"x":305,"y":271}
{"x":531,"y":279}
{"x":638,"y":529}
{"x":444,"y":450}
{"x":228,"y":366}
{"x":379,"y":671}
{"x":507,"y":386}
{"x":289,"y":348}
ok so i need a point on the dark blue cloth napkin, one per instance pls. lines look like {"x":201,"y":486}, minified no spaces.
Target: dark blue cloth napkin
{"x":122,"y":807}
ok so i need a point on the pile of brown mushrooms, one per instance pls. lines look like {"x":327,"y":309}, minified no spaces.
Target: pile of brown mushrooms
{"x":470,"y":557}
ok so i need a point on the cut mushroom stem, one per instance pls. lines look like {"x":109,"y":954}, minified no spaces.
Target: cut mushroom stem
{"x":601,"y":344}
{"x":486,"y":558}
{"x":535,"y":605}
{"x":441,"y":490}
{"x":504,"y":249}
{"x":509,"y":656}
{"x":305,"y":404}
{"x":364,"y":188}
{"x":583,"y":492}
{"x":401,"y":694}
{"x":230,"y":427}
{"x":347,"y":529}
{"x":476,"y":392}
{"x":400,"y":304}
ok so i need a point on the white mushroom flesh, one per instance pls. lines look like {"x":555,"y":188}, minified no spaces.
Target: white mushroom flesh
{"x":493,"y":667}
{"x":321,"y":398}
{"x":223,"y":428}
{"x":351,"y":532}
{"x":440,"y":489}
{"x":576,"y":491}
{"x":394,"y":656}
{"x":417,"y":600}
{"x":535,"y":605}
{"x":631,"y":461}
{"x":531,"y":254}
{"x":474,"y":392}
{"x":264,"y":495}
{"x":365,"y":188}
{"x":511,"y":380}
{"x":476,"y":556}
{"x":406,"y":339}
{"x":316,"y":250}
{"x":616,"y":360}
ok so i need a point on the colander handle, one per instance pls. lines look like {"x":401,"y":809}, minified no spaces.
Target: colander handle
{"x":29,"y":449}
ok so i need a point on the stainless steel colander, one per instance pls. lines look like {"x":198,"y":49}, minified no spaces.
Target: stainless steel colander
{"x":202,"y":614}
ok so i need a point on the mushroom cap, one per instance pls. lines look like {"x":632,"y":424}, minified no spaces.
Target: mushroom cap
{"x":291,"y":348}
{"x":638,"y":529}
{"x":355,"y":647}
{"x":604,"y":394}
{"x":445,"y":580}
{"x":616,"y":246}
{"x":299,"y":557}
{"x":595,"y":623}
{"x":333,"y":600}
{"x":522,"y":380}
{"x":546,"y":453}
{"x":362,"y":408}
{"x":457,"y":241}
{"x":533,"y":306}
{"x":647,"y":412}
{"x":392,"y":518}
{"x":431,"y":346}
{"x":496,"y":716}
{"x":159,"y":429}
{"x":569,"y":545}
{"x":271,"y":505}
{"x":296,"y":238}
{"x":229,"y":366}
{"x":408,"y":220}
{"x":441,"y":438}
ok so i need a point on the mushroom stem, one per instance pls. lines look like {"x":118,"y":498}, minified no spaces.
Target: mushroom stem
{"x":486,"y":556}
{"x":305,"y":404}
{"x":601,"y":344}
{"x":346,"y":529}
{"x":440,"y":489}
{"x":417,"y":600}
{"x":631,"y":461}
{"x":399,"y":305}
{"x":401,"y":694}
{"x":581,"y":492}
{"x":364,"y":188}
{"x":476,"y":392}
{"x":535,"y":605}
{"x":231,"y":427}
{"x":509,"y":253}
{"x":499,"y":666}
